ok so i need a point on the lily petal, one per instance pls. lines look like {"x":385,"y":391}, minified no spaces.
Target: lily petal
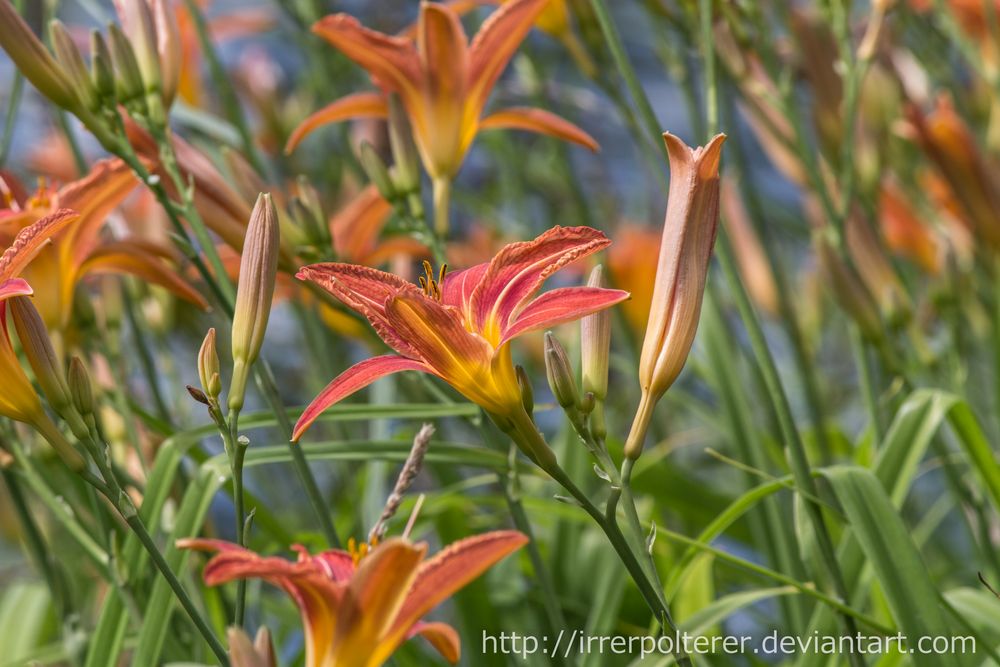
{"x":31,"y":239}
{"x":438,"y":335}
{"x":94,"y":197}
{"x":495,"y":44}
{"x":457,"y":288}
{"x":356,"y":377}
{"x":365,"y":291}
{"x":358,"y":105}
{"x":442,"y":637}
{"x":517,"y":272}
{"x":391,"y":61}
{"x":443,"y":49}
{"x":561,"y":305}
{"x":450,"y":570}
{"x":14,"y":287}
{"x":374,"y":597}
{"x":540,"y":121}
{"x":356,"y":227}
{"x":134,"y":259}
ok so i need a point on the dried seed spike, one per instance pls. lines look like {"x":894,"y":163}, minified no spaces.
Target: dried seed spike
{"x":406,"y":476}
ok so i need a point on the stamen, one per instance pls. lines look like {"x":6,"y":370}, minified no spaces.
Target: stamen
{"x":430,"y":285}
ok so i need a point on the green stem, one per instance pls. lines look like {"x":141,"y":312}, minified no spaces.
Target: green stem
{"x":237,"y":453}
{"x":442,"y":203}
{"x":868,"y":392}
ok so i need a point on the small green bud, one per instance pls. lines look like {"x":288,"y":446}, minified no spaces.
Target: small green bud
{"x":72,"y":63}
{"x":128,"y":82}
{"x":209,"y":367}
{"x":559,"y":372}
{"x":377,"y":172}
{"x":81,"y":390}
{"x":406,"y":170}
{"x":527,"y":393}
{"x":102,"y":70}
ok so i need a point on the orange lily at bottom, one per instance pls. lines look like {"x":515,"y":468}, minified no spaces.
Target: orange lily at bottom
{"x":459,"y":325}
{"x":358,"y":608}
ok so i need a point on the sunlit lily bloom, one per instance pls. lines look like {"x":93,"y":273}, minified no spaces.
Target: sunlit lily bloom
{"x":442,"y":80}
{"x":18,"y":399}
{"x":359,"y":606}
{"x":84,"y":249}
{"x":458,"y":325}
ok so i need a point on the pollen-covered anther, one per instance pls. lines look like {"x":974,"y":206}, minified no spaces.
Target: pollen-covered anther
{"x":359,"y":551}
{"x":431,"y":285}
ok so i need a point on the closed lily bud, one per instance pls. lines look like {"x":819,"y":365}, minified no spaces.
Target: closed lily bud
{"x":244,"y":653}
{"x":527,"y":393}
{"x":209,"y":367}
{"x":559,"y":372}
{"x":102,"y":70}
{"x":168,"y":46}
{"x":72,"y":63}
{"x":39,"y":352}
{"x":258,"y":270}
{"x":377,"y":172}
{"x":138,"y":24}
{"x":595,"y":343}
{"x":128,"y":78}
{"x":33,"y":60}
{"x":406,"y":167}
{"x":80,"y":388}
{"x":689,"y":232}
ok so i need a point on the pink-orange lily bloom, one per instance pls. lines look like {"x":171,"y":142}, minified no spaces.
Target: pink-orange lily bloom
{"x":458,"y":328}
{"x":82,"y":249}
{"x":358,"y":609}
{"x":442,"y":80}
{"x":18,"y":400}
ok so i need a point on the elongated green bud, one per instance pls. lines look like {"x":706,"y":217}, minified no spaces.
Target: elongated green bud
{"x":406,"y":167}
{"x":39,"y":352}
{"x":258,"y":270}
{"x":377,"y":172}
{"x":559,"y":372}
{"x":595,"y":344}
{"x":527,"y":393}
{"x":209,"y":367}
{"x":102,"y":69}
{"x":81,"y":390}
{"x":128,"y":78}
{"x":72,"y":63}
{"x":33,"y":60}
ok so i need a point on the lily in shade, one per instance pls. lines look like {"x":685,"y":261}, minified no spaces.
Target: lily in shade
{"x":442,"y":80}
{"x":458,"y":326}
{"x":359,"y":606}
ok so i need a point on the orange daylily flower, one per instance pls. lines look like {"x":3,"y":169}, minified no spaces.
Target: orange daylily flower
{"x":442,"y":80}
{"x":82,"y":249}
{"x":458,"y":326}
{"x":355,"y":231}
{"x":18,"y":399}
{"x":358,"y":608}
{"x":905,"y":233}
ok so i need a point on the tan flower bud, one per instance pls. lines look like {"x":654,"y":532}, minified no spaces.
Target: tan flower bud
{"x":33,"y":60}
{"x":80,"y":388}
{"x":689,"y":231}
{"x":258,"y":270}
{"x":209,"y":367}
{"x":244,"y":653}
{"x":168,"y":46}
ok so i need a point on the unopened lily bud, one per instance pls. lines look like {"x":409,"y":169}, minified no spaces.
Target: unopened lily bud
{"x":258,"y":270}
{"x":689,"y":232}
{"x":559,"y":372}
{"x":377,"y":172}
{"x":71,"y":61}
{"x":138,"y":25}
{"x":81,"y":390}
{"x":102,"y":70}
{"x":168,"y":47}
{"x":527,"y":393}
{"x":33,"y":60}
{"x":595,"y":343}
{"x":39,"y":352}
{"x":209,"y":367}
{"x":406,"y":167}
{"x":128,"y":78}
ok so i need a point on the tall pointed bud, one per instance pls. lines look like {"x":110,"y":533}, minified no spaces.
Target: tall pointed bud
{"x":81,"y":390}
{"x":102,"y":70}
{"x":595,"y":354}
{"x":128,"y":78}
{"x":33,"y":60}
{"x":209,"y":367}
{"x":244,"y":653}
{"x":258,"y":270}
{"x":168,"y":46}
{"x":376,"y":171}
{"x":39,"y":352}
{"x":406,"y":168}
{"x":71,"y":61}
{"x":689,"y":232}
